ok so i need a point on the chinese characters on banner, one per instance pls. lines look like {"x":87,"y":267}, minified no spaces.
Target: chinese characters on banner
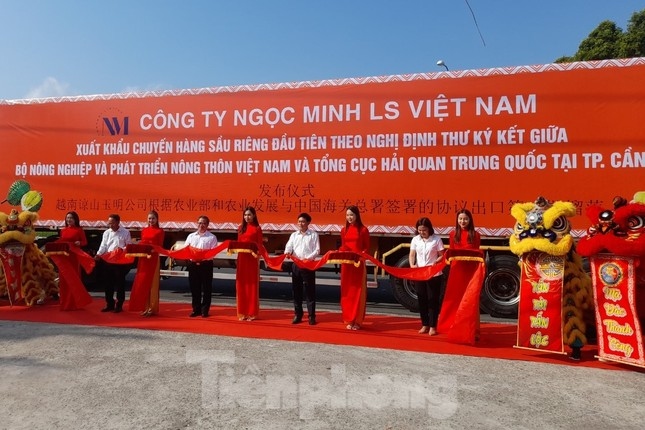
{"x":619,"y":333}
{"x":539,"y":320}
{"x":292,"y":203}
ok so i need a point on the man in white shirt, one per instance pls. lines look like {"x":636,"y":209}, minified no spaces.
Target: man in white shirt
{"x":112,"y":276}
{"x":305,"y":245}
{"x":200,"y":273}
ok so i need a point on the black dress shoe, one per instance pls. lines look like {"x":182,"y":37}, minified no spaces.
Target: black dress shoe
{"x":117,"y":309}
{"x":194,"y":314}
{"x":297,"y":319}
{"x":108,"y":309}
{"x":312,"y":320}
{"x":205,"y":315}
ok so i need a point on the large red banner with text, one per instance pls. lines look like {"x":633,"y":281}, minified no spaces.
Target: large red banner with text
{"x":477,"y":139}
{"x":619,"y":331}
{"x":539,"y":320}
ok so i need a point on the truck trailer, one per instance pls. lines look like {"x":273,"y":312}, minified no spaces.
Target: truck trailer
{"x":399,"y":147}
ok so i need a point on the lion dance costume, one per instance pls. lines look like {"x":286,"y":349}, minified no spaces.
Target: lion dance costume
{"x":615,"y":245}
{"x":556,"y":305}
{"x":26,"y":272}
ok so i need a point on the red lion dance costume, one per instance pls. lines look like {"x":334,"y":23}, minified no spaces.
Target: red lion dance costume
{"x":615,"y":245}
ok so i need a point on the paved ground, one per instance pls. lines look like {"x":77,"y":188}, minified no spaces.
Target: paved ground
{"x":278,"y":295}
{"x":77,"y":377}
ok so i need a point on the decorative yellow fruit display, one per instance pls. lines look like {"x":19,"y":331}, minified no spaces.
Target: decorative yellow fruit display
{"x":31,"y":201}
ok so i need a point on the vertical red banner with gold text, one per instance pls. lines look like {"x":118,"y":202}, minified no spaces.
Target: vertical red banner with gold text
{"x":619,"y":332}
{"x":539,"y":320}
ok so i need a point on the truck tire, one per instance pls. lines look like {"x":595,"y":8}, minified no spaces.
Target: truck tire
{"x":404,"y":291}
{"x":500,"y":294}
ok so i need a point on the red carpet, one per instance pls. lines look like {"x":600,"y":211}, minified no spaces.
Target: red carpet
{"x":379,"y":331}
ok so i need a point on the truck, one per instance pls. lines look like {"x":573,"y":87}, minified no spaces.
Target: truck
{"x":399,"y":147}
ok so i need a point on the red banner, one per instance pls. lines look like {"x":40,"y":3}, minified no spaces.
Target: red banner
{"x":291,"y":147}
{"x":619,"y":332}
{"x":539,"y":320}
{"x":350,"y":257}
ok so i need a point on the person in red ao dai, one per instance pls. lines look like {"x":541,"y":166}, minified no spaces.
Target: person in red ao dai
{"x":353,"y":280}
{"x":247,"y":277}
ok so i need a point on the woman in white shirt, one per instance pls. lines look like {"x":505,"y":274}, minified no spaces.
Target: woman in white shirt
{"x":426,"y":249}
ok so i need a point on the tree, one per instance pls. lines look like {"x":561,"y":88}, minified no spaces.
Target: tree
{"x":633,"y":42}
{"x":601,"y":44}
{"x":564,"y":59}
{"x":609,"y":41}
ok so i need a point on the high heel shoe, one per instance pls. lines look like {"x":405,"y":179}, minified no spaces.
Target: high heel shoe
{"x":424,"y":329}
{"x":432,"y":331}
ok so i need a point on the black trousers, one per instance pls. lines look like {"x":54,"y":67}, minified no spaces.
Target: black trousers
{"x":303,"y":279}
{"x":200,"y":280}
{"x":112,"y":278}
{"x":429,"y":293}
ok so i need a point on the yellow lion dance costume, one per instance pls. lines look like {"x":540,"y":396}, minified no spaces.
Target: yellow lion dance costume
{"x":544,"y":226}
{"x":37,"y":274}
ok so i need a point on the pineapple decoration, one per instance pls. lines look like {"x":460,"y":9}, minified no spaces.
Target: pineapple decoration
{"x":25,"y":272}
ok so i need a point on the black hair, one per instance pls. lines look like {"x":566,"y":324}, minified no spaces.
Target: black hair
{"x":356,"y":212}
{"x":244,"y":223}
{"x":75,"y":216}
{"x":425,"y":221}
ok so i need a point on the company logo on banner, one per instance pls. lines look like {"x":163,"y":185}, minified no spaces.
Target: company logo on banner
{"x":619,"y":332}
{"x":113,"y":122}
{"x":539,"y":321}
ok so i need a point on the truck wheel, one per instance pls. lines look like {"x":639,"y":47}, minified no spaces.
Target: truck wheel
{"x":404,"y":291}
{"x":501,"y":291}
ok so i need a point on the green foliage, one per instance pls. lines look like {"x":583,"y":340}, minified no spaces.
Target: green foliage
{"x":564,"y":59}
{"x":633,"y":41}
{"x":601,"y":44}
{"x":608,"y":41}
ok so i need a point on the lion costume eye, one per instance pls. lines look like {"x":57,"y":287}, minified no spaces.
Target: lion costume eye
{"x":560,"y":225}
{"x":635,"y":222}
{"x":519,"y":227}
{"x":606,"y":216}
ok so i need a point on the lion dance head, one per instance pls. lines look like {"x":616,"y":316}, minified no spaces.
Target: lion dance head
{"x":542,"y":226}
{"x":619,"y":230}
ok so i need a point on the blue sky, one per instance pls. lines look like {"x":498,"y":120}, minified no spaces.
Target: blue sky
{"x":74,"y":47}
